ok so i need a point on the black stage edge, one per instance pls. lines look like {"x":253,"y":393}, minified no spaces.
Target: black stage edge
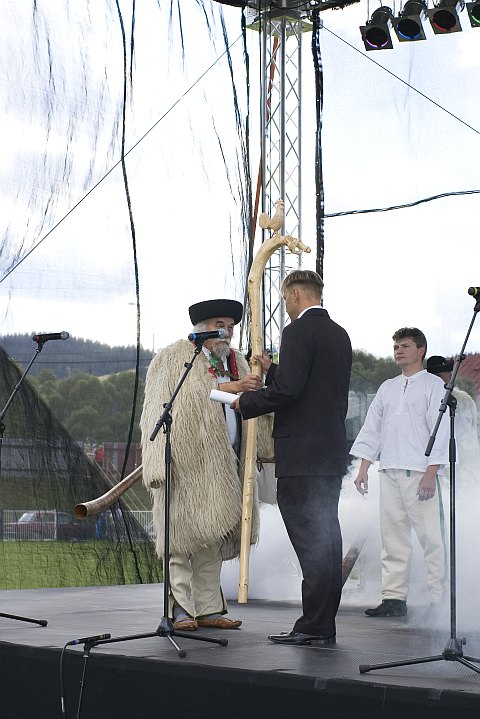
{"x":249,"y":678}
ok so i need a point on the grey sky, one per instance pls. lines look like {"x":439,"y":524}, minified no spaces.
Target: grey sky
{"x":383,"y":144}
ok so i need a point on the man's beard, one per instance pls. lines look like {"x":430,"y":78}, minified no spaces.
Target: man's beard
{"x":221,"y":349}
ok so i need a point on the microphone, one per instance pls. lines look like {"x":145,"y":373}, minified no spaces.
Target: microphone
{"x":203,"y":336}
{"x":50,"y":336}
{"x":474,"y":291}
{"x":87,"y":640}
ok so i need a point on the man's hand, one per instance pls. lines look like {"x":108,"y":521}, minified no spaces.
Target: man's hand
{"x":427,"y":486}
{"x":246,"y":384}
{"x":236,"y":404}
{"x":361,"y":482}
{"x":249,"y":383}
{"x":264,"y":360}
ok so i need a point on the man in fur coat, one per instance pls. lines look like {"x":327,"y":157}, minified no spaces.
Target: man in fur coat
{"x":466,"y":432}
{"x":208,"y":451}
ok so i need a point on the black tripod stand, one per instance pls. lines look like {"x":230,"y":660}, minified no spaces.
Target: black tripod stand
{"x":165,"y":628}
{"x":453,"y":649}
{"x":41,"y":622}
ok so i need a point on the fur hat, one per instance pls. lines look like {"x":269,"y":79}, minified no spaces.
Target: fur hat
{"x":436,"y":364}
{"x":215,"y":308}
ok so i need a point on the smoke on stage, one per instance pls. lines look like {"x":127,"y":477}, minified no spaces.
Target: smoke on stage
{"x":275,"y":574}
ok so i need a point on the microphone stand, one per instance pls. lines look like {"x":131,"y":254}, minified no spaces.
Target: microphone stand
{"x":41,"y":622}
{"x":453,"y":649}
{"x":165,"y":628}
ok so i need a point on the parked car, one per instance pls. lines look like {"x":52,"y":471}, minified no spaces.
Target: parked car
{"x":49,"y":524}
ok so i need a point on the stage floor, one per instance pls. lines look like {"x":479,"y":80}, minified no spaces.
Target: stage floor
{"x":249,"y":657}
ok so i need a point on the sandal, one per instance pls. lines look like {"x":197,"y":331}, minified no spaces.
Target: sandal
{"x":186,"y":624}
{"x":219,"y":623}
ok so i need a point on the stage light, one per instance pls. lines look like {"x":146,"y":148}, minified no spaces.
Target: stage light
{"x":408,"y":25}
{"x":473,"y":9}
{"x":376,"y":33}
{"x":444,"y":16}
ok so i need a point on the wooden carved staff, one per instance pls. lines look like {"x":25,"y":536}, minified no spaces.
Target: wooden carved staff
{"x":254,"y":289}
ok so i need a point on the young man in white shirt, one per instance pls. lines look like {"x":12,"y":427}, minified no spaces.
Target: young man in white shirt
{"x":396,"y":431}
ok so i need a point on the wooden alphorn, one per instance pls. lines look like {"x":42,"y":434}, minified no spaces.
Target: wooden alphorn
{"x":95,"y":506}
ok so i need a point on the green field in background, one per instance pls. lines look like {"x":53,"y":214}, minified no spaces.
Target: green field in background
{"x":33,"y":565}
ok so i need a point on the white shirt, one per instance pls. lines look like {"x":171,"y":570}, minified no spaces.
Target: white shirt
{"x":230,"y":416}
{"x":400,"y":421}
{"x":312,"y":307}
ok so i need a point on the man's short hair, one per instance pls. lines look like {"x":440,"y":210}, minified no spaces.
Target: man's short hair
{"x":309,"y":280}
{"x":411,"y":333}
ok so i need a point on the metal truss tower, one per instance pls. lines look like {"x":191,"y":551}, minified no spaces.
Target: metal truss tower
{"x":282,"y":24}
{"x":281,"y":32}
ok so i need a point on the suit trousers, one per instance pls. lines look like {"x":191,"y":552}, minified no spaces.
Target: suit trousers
{"x":309,"y":508}
{"x":195,"y":582}
{"x":400,"y":511}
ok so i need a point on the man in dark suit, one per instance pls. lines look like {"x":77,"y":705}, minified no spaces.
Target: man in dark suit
{"x":308,"y":392}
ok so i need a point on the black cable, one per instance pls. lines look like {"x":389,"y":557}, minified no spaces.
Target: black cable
{"x":319,"y":188}
{"x":133,"y":234}
{"x":137,"y":282}
{"x":405,"y":205}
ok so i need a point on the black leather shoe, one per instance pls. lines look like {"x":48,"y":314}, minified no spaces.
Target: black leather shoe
{"x":389,"y":608}
{"x":300,"y":640}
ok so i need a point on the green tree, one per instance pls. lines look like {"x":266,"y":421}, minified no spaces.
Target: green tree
{"x":85,"y":424}
{"x":368,"y":371}
{"x":49,"y":388}
{"x":93,"y":409}
{"x":120,"y":396}
{"x":87,"y":390}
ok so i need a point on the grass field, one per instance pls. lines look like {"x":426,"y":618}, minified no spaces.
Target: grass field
{"x":31,"y":565}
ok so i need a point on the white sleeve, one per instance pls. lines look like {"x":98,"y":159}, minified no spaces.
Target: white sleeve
{"x":367,"y":443}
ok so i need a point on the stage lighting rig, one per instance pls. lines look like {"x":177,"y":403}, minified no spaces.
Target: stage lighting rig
{"x":473,"y":9}
{"x":281,"y":7}
{"x":376,"y":33}
{"x":444,"y":16}
{"x":408,"y":25}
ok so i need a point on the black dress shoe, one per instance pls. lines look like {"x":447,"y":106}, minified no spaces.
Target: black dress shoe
{"x":300,"y":640}
{"x":389,"y":608}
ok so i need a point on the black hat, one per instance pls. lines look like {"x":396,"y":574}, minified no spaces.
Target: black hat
{"x":215,"y":308}
{"x":437,"y":364}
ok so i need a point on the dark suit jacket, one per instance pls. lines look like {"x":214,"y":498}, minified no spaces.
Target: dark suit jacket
{"x":308,"y":391}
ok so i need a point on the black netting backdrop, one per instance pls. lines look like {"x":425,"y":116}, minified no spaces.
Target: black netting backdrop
{"x":44,"y":475}
{"x":116,"y":154}
{"x":129,"y":139}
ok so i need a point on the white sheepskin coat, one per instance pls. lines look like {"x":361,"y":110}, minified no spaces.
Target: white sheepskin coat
{"x":206,"y":491}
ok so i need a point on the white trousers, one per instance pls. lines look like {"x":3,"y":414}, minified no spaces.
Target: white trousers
{"x":400,"y":511}
{"x":195,"y":582}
